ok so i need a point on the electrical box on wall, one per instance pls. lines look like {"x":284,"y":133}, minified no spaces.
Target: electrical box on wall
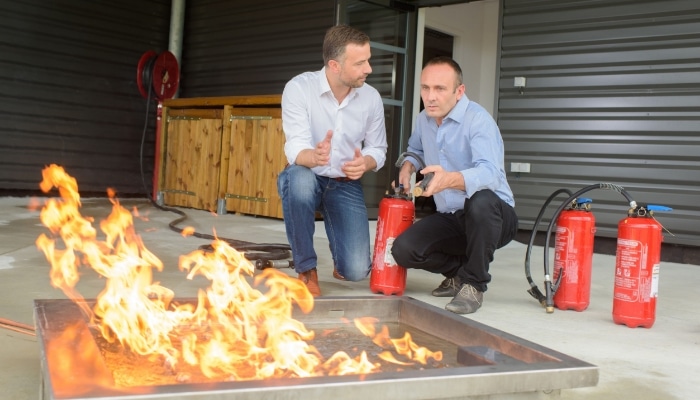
{"x":519,"y":167}
{"x":519,"y":81}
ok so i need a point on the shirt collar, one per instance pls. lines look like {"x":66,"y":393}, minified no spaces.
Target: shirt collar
{"x":459,"y":110}
{"x":324,"y":87}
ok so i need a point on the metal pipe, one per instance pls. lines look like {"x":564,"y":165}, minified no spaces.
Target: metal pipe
{"x":177,"y":27}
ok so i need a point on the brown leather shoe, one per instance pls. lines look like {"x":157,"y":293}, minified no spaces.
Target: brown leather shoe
{"x":310,"y":279}
{"x":337,"y":275}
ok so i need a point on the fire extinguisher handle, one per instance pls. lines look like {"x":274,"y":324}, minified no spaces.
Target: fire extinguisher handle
{"x":656,"y":207}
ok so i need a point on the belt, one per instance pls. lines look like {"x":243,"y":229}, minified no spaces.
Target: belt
{"x":342,"y":179}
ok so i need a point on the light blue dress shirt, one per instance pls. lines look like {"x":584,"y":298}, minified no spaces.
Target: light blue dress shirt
{"x":468,"y":141}
{"x":357,"y":122}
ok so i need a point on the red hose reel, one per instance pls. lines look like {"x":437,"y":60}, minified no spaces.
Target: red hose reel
{"x":157,"y":76}
{"x":159,"y":71}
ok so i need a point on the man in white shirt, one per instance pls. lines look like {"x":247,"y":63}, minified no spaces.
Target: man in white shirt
{"x":335,"y":133}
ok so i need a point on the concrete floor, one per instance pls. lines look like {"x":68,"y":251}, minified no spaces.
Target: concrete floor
{"x":658,"y":363}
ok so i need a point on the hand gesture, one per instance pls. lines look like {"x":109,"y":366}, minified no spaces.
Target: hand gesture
{"x":322,"y":152}
{"x":355,"y":168}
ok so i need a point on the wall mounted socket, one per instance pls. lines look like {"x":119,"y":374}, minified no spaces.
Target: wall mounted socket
{"x":519,"y":81}
{"x":519,"y":167}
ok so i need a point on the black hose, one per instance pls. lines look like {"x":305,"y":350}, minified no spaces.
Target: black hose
{"x":252,"y":251}
{"x":421,"y":165}
{"x":418,"y":158}
{"x":534,"y":290}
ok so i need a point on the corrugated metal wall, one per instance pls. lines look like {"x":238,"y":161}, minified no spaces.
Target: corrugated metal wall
{"x":68,"y":90}
{"x":251,"y":47}
{"x":612,"y":95}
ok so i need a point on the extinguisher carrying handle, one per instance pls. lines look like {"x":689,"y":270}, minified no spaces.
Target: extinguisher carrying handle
{"x":643,"y":209}
{"x":579,"y":203}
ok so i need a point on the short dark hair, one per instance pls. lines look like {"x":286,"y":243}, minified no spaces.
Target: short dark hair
{"x":337,"y":38}
{"x":447,"y":61}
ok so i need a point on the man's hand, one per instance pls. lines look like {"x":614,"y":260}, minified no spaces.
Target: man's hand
{"x":355,"y":168}
{"x":319,"y":155}
{"x":407,"y":169}
{"x":322,"y":153}
{"x":441,"y":180}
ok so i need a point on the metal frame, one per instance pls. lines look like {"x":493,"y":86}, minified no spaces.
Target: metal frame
{"x":501,"y":365}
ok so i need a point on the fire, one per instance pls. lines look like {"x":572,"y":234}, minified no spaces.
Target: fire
{"x":69,"y":376}
{"x":233,"y":332}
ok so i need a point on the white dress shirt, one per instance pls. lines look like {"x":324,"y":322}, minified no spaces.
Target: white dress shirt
{"x":309,"y":110}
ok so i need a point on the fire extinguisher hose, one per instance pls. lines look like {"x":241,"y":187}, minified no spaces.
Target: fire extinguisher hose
{"x":547,"y":300}
{"x":420,"y":188}
{"x":534,"y":290}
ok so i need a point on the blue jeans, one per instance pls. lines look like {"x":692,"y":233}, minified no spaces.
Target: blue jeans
{"x":342,"y":205}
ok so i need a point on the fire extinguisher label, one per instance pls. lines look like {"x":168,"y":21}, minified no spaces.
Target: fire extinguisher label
{"x":566,"y":255}
{"x":633,"y":282}
{"x":388,"y":258}
{"x":655,"y":281}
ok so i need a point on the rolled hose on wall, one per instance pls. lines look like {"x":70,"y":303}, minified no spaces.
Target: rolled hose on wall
{"x":547,"y":299}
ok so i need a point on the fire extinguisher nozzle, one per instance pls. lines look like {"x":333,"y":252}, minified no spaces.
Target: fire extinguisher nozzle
{"x":535,"y":292}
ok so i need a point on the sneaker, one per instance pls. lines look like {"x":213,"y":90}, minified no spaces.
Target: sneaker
{"x":448,"y":288}
{"x":467,"y":301}
{"x":310,"y":279}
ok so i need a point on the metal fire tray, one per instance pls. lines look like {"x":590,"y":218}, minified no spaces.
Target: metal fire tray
{"x":484,"y":362}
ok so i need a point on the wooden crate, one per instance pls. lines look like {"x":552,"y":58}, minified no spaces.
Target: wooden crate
{"x":191,"y":158}
{"x":222,"y":149}
{"x":256,"y":157}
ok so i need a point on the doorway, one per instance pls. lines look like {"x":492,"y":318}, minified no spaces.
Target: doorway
{"x":436,"y":43}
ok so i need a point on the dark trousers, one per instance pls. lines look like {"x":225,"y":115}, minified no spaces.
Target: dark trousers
{"x":459,"y":244}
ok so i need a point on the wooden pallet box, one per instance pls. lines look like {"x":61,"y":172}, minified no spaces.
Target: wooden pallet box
{"x":222,"y":154}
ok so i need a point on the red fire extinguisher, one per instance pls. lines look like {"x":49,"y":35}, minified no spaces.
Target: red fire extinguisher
{"x":396,"y":213}
{"x":637,"y":267}
{"x":573,"y":256}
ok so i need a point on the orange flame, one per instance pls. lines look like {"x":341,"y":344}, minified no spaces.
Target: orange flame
{"x":234,"y":331}
{"x":187,"y":231}
{"x":77,"y":360}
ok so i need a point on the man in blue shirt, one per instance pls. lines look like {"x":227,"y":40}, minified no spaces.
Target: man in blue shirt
{"x":462,"y":149}
{"x":335,"y":133}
